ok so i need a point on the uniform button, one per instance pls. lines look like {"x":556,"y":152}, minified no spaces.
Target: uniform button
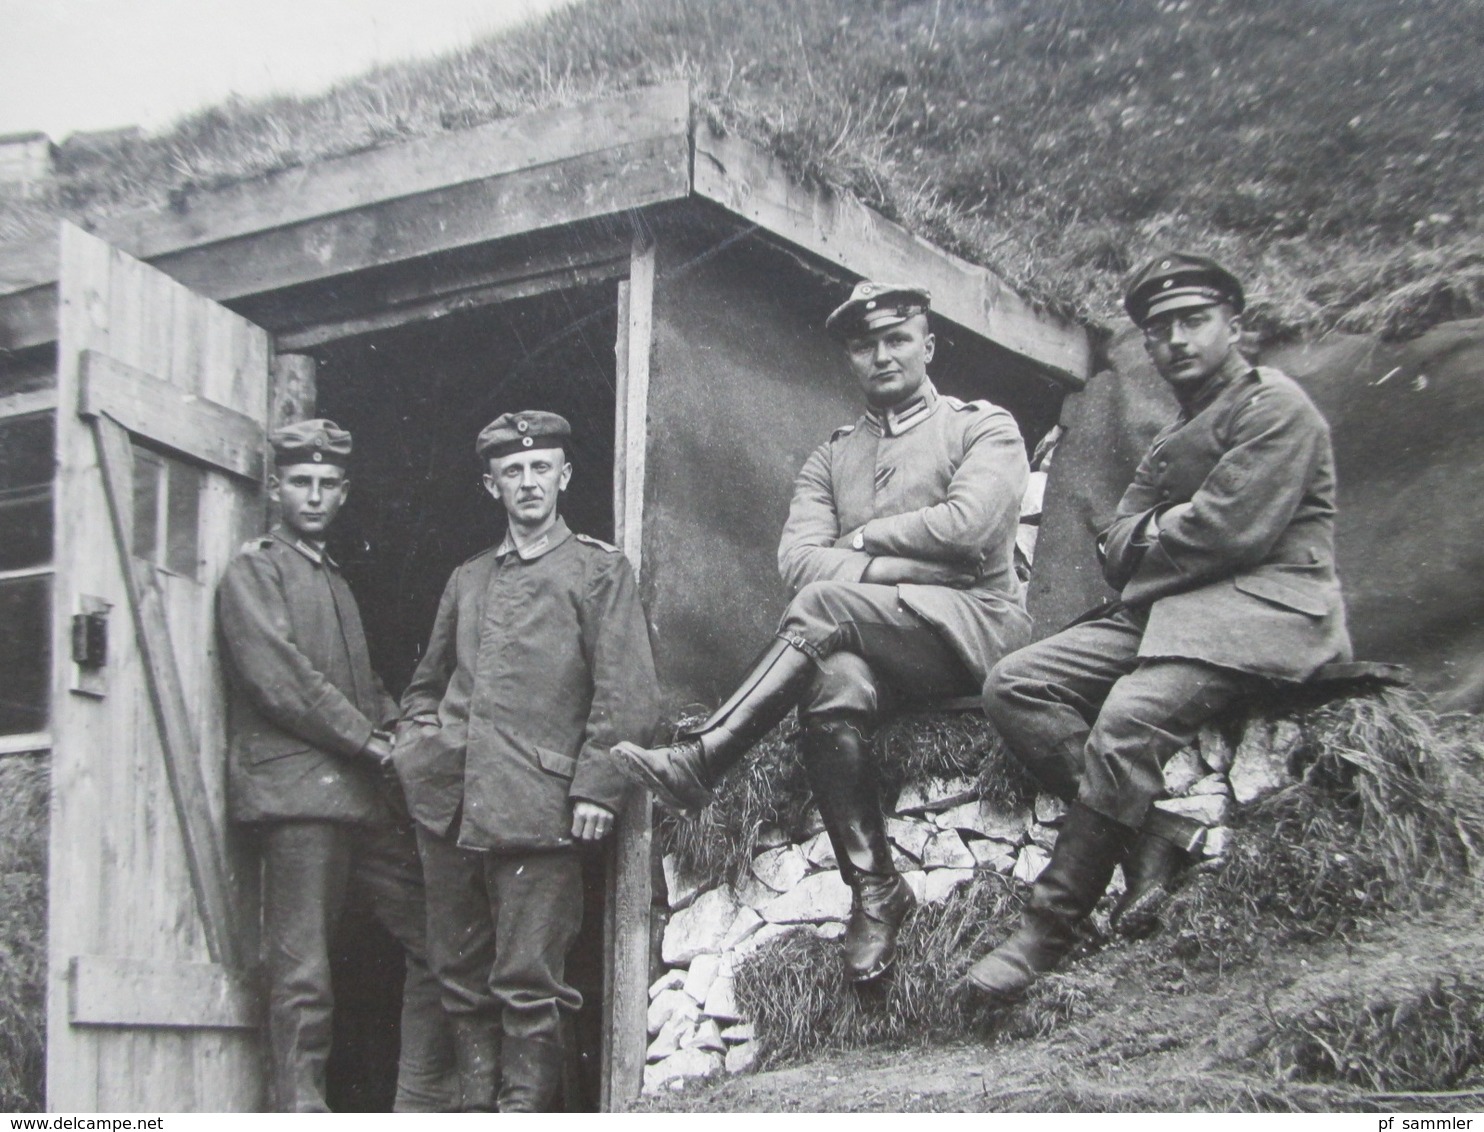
{"x":1164,"y":493}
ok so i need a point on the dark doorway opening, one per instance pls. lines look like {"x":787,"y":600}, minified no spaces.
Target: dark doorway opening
{"x":415,"y":398}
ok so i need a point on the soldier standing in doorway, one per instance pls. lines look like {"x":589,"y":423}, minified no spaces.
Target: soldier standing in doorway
{"x":309,"y":777}
{"x":1222,"y":551}
{"x":538,"y":663}
{"x":899,"y":551}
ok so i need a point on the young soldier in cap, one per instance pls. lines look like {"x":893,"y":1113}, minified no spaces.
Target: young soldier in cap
{"x":306,"y":776}
{"x":539,"y":662}
{"x":898,"y":549}
{"x":1223,"y":552}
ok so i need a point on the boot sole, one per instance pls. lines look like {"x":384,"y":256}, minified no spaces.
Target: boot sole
{"x":632,"y":768}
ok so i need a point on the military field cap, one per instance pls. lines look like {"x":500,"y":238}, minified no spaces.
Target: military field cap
{"x":515,"y":432}
{"x":1177,"y":281}
{"x":310,"y":442}
{"x":874,"y":305}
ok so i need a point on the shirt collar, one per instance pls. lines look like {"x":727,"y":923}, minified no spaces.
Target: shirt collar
{"x":1235,"y":366}
{"x":908,"y":415}
{"x":318,"y":557}
{"x":548,"y":542}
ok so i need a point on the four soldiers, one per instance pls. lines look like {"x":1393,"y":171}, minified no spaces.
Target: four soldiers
{"x":898,"y":549}
{"x":1222,"y":550}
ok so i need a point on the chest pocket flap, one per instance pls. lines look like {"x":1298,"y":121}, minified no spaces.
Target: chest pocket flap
{"x":1283,"y":593}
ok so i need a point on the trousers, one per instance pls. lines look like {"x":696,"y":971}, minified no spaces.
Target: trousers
{"x":870,"y":651}
{"x":310,"y":870}
{"x":1094,"y":722}
{"x":499,"y":929}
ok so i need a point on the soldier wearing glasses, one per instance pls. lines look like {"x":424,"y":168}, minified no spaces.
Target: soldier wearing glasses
{"x":1222,"y":551}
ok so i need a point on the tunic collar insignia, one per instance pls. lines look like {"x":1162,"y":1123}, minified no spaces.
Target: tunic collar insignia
{"x":533,"y":550}
{"x":900,"y":418}
{"x":318,"y":557}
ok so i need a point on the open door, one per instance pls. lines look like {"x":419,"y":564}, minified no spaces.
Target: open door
{"x":163,"y":400}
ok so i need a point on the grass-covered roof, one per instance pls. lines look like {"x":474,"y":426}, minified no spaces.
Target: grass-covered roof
{"x":1326,"y":148}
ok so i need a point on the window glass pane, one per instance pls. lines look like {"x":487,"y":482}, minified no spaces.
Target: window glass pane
{"x":183,"y":518}
{"x":25,"y":655}
{"x":26,"y":462}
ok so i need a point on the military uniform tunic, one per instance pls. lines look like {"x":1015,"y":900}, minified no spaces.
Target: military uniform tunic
{"x":936,"y":479}
{"x":1223,"y":551}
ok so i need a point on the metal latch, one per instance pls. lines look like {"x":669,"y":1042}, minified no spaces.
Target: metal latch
{"x":90,"y":639}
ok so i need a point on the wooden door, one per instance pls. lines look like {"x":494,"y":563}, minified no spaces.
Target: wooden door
{"x":162,"y":402}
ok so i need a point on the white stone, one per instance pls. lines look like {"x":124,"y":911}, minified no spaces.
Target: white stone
{"x":682,"y":888}
{"x":1029,"y":864}
{"x":1216,"y":750}
{"x":911,"y":835}
{"x":820,"y":897}
{"x":742,"y":1058}
{"x":780,"y":869}
{"x":1260,"y":765}
{"x":917,"y":882}
{"x":1117,"y":886}
{"x":748,"y":921}
{"x":947,"y":851}
{"x":672,"y":979}
{"x":1049,"y":809}
{"x":831,"y":931}
{"x":670,"y":1004}
{"x":1182,"y":771}
{"x":994,"y":855}
{"x":741,"y":1032}
{"x":813,"y":824}
{"x":941,"y":883}
{"x":1218,"y":841}
{"x":934,"y":794}
{"x":761,"y":938}
{"x":820,"y":853}
{"x":721,"y":1000}
{"x":684,"y":1065}
{"x":902,"y":862}
{"x":706,"y":1035}
{"x":1043,"y":835}
{"x":987,"y":819}
{"x":700,"y":928}
{"x":1208,"y":809}
{"x":752,"y":893}
{"x":703,"y":969}
{"x":673,"y":1034}
{"x":1209,"y":784}
{"x":769,"y":836}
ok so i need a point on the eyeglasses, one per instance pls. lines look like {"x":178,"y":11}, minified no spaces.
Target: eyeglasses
{"x":1164,"y":329}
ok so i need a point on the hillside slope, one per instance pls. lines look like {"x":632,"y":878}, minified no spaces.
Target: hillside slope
{"x":1327,"y":148}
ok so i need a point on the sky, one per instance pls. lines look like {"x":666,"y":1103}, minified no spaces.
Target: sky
{"x":68,"y":65}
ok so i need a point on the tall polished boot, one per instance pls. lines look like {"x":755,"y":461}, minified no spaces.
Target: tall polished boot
{"x":683,"y":776}
{"x":1166,"y":845}
{"x":1087,"y":848}
{"x":841,"y":767}
{"x":476,"y":1046}
{"x":533,"y":1073}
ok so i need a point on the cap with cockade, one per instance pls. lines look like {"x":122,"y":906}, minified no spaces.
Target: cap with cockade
{"x":310,"y":442}
{"x":515,"y":432}
{"x":872,"y":306}
{"x":1178,"y":281}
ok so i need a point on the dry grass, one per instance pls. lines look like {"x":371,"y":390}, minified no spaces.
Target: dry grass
{"x":1322,"y":148}
{"x":23,"y":832}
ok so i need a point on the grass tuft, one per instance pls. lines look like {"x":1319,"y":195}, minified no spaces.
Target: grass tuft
{"x":24,"y":789}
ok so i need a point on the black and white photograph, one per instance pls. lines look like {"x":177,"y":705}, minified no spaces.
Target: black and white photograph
{"x":768,"y":556}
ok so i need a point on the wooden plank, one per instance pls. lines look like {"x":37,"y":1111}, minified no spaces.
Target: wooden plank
{"x":171,"y":416}
{"x":342,"y":184}
{"x":109,"y":991}
{"x":630,"y":888}
{"x":34,"y":401}
{"x":451,"y":303}
{"x":839,"y":229}
{"x":204,"y":842}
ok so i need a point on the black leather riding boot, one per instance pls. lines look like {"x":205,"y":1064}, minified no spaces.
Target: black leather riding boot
{"x":1150,"y":873}
{"x":476,"y":1048}
{"x":1087,"y":848}
{"x":532,"y":1072}
{"x":683,"y":776}
{"x":841,"y":766}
